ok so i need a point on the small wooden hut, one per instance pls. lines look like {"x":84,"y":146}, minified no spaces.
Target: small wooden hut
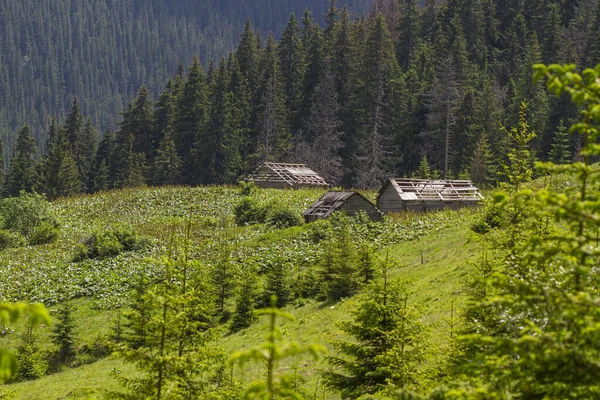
{"x":285,"y":176}
{"x":349,"y":202}
{"x":399,"y":195}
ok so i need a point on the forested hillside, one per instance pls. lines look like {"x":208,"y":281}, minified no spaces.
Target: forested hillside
{"x":407,"y":90}
{"x":103,"y":51}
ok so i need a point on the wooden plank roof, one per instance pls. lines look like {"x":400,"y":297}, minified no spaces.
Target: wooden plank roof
{"x":439,"y":190}
{"x":292,"y":174}
{"x":329,"y":203}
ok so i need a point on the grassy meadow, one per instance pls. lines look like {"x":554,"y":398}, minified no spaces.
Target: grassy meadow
{"x":432,"y":252}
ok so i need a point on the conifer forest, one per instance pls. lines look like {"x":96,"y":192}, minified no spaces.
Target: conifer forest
{"x":138,"y":260}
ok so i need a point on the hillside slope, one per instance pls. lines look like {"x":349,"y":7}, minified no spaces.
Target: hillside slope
{"x":103,"y":51}
{"x":46,"y":272}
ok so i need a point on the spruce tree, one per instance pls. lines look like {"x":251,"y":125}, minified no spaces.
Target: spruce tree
{"x":104,"y":172}
{"x":273,"y":130}
{"x":245,"y":303}
{"x":380,"y":108}
{"x":167,"y":163}
{"x":88,"y":145}
{"x":561,"y":147}
{"x":409,"y":32}
{"x":387,"y":345}
{"x":483,"y":170}
{"x":21,"y":172}
{"x":424,"y":170}
{"x":190,"y":120}
{"x":247,"y":56}
{"x":291,"y":56}
{"x":62,"y":334}
{"x":324,"y":130}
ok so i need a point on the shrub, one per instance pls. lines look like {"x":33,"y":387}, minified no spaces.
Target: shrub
{"x":109,"y":244}
{"x":282,"y":216}
{"x":491,"y":218}
{"x":10,"y":239}
{"x":45,"y":232}
{"x":248,"y":211}
{"x":25,"y":213}
{"x":277,"y":214}
{"x":248,"y":188}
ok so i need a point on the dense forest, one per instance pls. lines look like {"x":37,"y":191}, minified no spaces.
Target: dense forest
{"x":103,"y":51}
{"x":427,"y":88}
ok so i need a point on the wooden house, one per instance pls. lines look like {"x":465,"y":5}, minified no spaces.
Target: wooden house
{"x":285,"y":176}
{"x":399,"y":195}
{"x":349,"y":202}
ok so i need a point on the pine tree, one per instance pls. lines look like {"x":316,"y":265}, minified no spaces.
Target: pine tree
{"x":442,"y":102}
{"x":30,"y":360}
{"x":483,"y":170}
{"x":104,"y":173}
{"x":62,"y":334}
{"x":409,"y":32}
{"x":21,"y":173}
{"x":88,"y":145}
{"x":247,"y":56}
{"x":218,"y":150}
{"x":167,"y":164}
{"x":424,"y":170}
{"x":378,"y":125}
{"x":73,"y":127}
{"x":102,"y":177}
{"x":190,"y":120}
{"x":139,"y":121}
{"x":315,"y":68}
{"x":245,"y":303}
{"x":561,"y":147}
{"x":291,"y":56}
{"x":324,"y":130}
{"x":387,"y":345}
{"x":273,"y":131}
{"x":277,"y":283}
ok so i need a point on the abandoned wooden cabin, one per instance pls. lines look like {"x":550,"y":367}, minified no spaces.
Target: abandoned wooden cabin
{"x":349,"y":202}
{"x":286,"y":176}
{"x":399,"y":195}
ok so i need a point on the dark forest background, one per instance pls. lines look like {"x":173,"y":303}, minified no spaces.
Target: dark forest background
{"x":406,"y":89}
{"x":102,"y":51}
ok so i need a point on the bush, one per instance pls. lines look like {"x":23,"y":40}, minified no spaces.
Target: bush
{"x":45,"y":232}
{"x":492,"y":218}
{"x":248,"y":211}
{"x":10,"y":239}
{"x":248,"y":188}
{"x":109,"y":244}
{"x":282,"y":216}
{"x":24,"y":214}
{"x":277,"y":214}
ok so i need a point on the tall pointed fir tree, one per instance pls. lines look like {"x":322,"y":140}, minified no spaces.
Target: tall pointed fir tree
{"x":248,"y":56}
{"x":291,"y":56}
{"x":104,"y":173}
{"x":242,"y":112}
{"x":442,"y":103}
{"x":218,"y":149}
{"x":59,"y":175}
{"x":523,"y":89}
{"x":21,"y":172}
{"x":561,"y":146}
{"x":167,"y":164}
{"x":140,"y":122}
{"x":190,"y":120}
{"x":73,"y":127}
{"x":88,"y":145}
{"x":315,"y":66}
{"x":483,"y":170}
{"x":409,"y":30}
{"x":128,"y":166}
{"x":324,"y":130}
{"x":378,"y":125}
{"x":273,"y":131}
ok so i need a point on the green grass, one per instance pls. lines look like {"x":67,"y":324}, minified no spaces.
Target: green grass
{"x":47,"y":272}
